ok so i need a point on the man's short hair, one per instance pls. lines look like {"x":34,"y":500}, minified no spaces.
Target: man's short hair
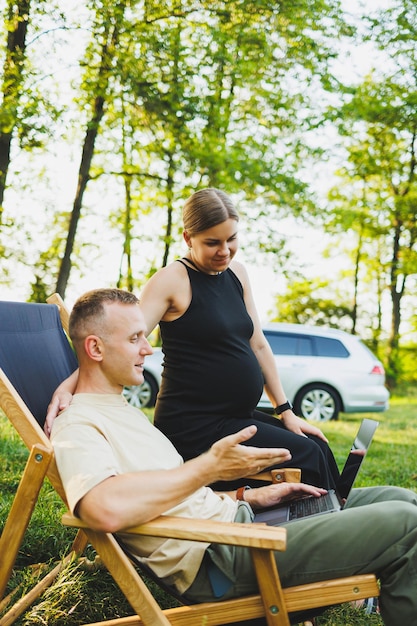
{"x":88,"y":311}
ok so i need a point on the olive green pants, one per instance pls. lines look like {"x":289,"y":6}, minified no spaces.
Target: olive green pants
{"x":375,"y":533}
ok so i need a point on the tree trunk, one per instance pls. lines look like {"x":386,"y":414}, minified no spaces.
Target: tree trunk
{"x":396,"y":295}
{"x":18,"y":15}
{"x":107,"y":54}
{"x":128,"y":282}
{"x":83,"y":178}
{"x":356,"y":284}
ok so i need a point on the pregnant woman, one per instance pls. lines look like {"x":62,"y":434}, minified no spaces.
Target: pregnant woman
{"x":216,"y":358}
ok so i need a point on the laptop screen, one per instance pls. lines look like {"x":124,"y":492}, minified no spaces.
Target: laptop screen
{"x":356,"y":456}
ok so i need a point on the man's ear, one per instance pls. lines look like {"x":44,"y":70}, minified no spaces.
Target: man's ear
{"x":93,"y":347}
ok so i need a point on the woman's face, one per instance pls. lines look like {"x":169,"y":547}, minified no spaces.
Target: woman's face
{"x":214,"y":248}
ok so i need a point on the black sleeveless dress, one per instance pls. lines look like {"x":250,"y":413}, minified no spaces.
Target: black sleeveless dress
{"x":212,"y":382}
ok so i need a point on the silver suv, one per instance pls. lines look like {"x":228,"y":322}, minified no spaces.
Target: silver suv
{"x":323,"y":371}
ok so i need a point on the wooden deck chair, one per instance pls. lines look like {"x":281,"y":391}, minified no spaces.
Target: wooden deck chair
{"x":35,"y":357}
{"x":272,"y":605}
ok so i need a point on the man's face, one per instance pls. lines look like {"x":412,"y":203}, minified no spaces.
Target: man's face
{"x":124,"y":344}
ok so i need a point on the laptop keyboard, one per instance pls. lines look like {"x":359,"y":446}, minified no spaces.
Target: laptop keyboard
{"x":310,"y":506}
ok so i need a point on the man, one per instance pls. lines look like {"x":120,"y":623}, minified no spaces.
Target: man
{"x":118,"y":471}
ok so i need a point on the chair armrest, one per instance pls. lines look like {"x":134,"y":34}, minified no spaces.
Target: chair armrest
{"x":285,"y":475}
{"x":207,"y":531}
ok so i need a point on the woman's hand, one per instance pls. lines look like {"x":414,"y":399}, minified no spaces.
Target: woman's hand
{"x":60,"y":401}
{"x":273,"y":494}
{"x":300,"y":427}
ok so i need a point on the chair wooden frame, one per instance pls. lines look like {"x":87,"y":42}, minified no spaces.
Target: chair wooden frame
{"x":40,"y":465}
{"x":273,"y":602}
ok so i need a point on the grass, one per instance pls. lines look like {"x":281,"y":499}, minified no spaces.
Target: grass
{"x":83,"y":594}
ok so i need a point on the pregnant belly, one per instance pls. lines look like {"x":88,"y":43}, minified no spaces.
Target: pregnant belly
{"x":228,"y":385}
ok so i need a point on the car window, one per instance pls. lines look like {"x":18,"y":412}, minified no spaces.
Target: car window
{"x":304,"y":345}
{"x":286,"y":343}
{"x":330,"y":347}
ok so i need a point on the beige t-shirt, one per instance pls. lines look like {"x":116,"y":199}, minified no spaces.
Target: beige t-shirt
{"x":101,"y":435}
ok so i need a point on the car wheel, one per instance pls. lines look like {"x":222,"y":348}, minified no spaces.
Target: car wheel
{"x":144,"y":395}
{"x":318,"y":403}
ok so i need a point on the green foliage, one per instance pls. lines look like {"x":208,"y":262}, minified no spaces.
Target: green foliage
{"x":188,"y":103}
{"x":408,"y":354}
{"x":308,"y":302}
{"x":377,"y":120}
{"x":184,"y":95}
{"x":68,"y":600}
{"x":27,"y":109}
{"x":346,"y":615}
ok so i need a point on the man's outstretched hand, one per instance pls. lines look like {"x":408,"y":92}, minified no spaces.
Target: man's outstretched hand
{"x":233,"y":460}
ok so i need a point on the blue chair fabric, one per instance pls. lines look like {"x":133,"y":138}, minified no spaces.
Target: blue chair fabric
{"x":35,"y":353}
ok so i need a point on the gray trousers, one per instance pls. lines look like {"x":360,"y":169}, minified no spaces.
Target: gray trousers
{"x":375,"y":533}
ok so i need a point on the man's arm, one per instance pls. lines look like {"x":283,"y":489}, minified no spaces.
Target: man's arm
{"x":129,"y":499}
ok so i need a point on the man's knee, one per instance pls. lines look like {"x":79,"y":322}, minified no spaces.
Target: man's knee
{"x":400,"y":494}
{"x":371,"y":495}
{"x":399,"y":519}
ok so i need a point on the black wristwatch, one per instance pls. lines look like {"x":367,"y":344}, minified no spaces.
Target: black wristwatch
{"x":283,"y":407}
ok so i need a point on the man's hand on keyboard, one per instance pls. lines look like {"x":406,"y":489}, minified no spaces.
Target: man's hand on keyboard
{"x":263,"y":497}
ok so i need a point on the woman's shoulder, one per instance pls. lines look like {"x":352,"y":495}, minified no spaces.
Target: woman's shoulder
{"x":176,"y":268}
{"x":240,"y":271}
{"x":165,"y":295}
{"x":166,"y":280}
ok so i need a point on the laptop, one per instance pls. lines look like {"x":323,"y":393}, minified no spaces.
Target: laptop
{"x":333,"y":500}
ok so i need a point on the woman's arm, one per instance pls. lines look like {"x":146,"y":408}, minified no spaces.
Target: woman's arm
{"x":266,"y":360}
{"x":166,"y":295}
{"x":60,"y":400}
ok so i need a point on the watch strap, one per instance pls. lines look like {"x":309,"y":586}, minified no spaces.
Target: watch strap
{"x":282,"y":407}
{"x":240,"y":493}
